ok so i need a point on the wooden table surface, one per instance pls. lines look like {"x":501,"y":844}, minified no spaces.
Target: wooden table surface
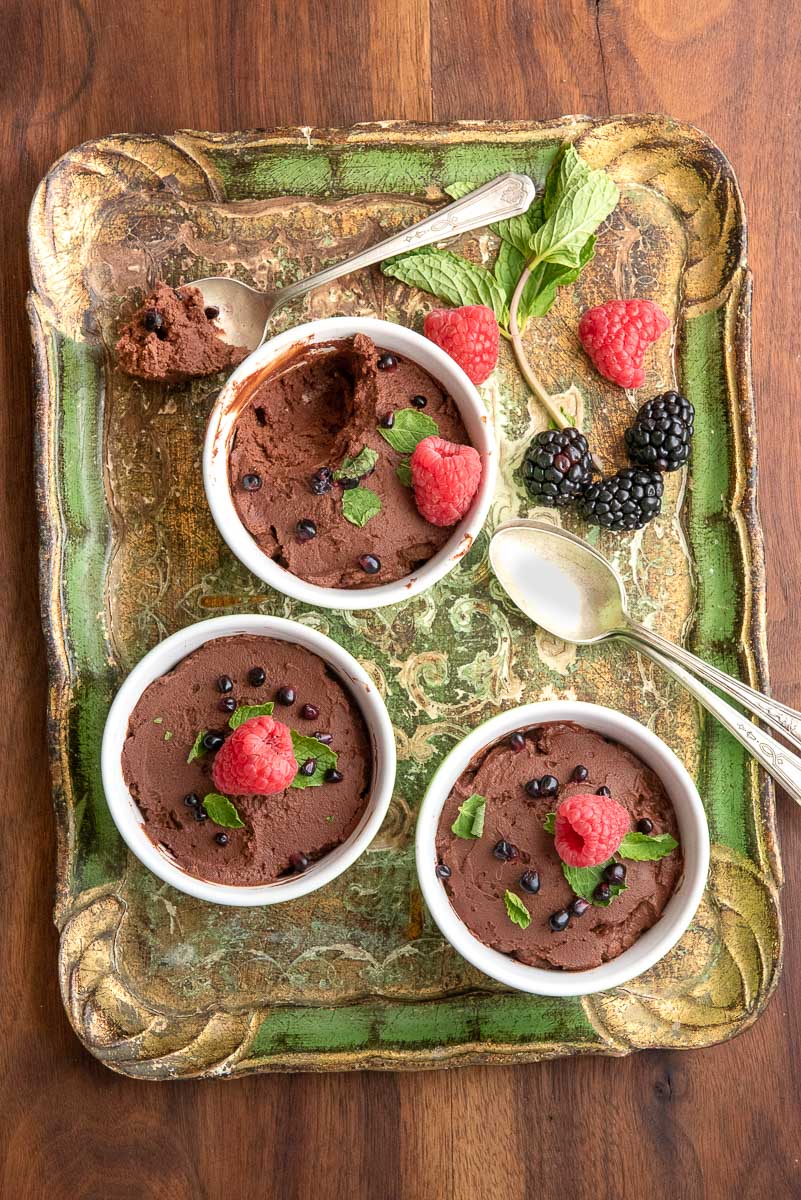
{"x":715,"y":1123}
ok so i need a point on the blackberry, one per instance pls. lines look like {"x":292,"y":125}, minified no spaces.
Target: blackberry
{"x":661,"y":433}
{"x":627,"y":500}
{"x":557,"y":466}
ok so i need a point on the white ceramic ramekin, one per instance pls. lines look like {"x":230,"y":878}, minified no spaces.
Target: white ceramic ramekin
{"x":680,"y":909}
{"x":163,"y":658}
{"x":220,"y":429}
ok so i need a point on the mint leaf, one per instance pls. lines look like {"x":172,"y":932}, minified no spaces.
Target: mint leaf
{"x":359,"y":505}
{"x":518,"y":231}
{"x":246,"y":711}
{"x":198,"y":749}
{"x":404,"y":472}
{"x":445,"y":274}
{"x":516,"y":910}
{"x":577,"y":209}
{"x":308,"y":747}
{"x":158,"y":720}
{"x":568,"y":170}
{"x":168,"y":735}
{"x":222,"y":812}
{"x":458,"y":189}
{"x":358,"y":467}
{"x":584,"y":881}
{"x":470,"y":821}
{"x":645,"y":847}
{"x":549,"y":824}
{"x":410,"y":428}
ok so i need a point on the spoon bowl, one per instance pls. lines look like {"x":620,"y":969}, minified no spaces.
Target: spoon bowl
{"x":559,"y":581}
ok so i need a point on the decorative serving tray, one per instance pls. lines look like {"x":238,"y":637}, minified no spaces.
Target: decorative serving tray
{"x":159,"y":985}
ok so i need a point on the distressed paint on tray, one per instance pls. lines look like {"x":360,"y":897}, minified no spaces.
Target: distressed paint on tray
{"x":159,"y":985}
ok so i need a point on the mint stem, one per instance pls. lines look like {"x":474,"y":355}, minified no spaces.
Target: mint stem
{"x":556,"y":415}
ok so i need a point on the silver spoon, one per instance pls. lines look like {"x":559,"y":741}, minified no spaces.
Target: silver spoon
{"x":244,"y":312}
{"x":571,"y":590}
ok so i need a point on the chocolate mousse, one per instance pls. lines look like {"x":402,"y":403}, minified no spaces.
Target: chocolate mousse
{"x":295,"y":457}
{"x":515,"y":854}
{"x":172,"y":338}
{"x":282,"y":832}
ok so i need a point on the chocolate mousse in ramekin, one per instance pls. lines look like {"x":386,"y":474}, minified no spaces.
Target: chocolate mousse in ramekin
{"x":248,"y":760}
{"x":540,"y":912}
{"x":307,"y":462}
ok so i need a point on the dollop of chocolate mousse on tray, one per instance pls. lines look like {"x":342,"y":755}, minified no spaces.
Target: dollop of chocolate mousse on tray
{"x":332,"y":409}
{"x":172,"y":338}
{"x":283,"y":831}
{"x":477,"y":874}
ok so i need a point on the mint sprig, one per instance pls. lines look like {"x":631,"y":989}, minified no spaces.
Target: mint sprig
{"x":646,"y":847}
{"x":222,"y":812}
{"x":305,"y":748}
{"x":360,"y":465}
{"x":470,"y":821}
{"x":516,"y":910}
{"x":246,"y":711}
{"x":584,"y":881}
{"x":198,"y":749}
{"x":404,"y":472}
{"x":410,"y":427}
{"x":359,"y":505}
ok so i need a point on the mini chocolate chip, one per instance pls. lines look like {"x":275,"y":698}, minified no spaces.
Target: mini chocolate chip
{"x":615,"y":873}
{"x":252,"y":482}
{"x":201,"y":814}
{"x":192,"y":800}
{"x":348,"y":484}
{"x":549,"y":785}
{"x":580,"y":774}
{"x":530,"y":882}
{"x":644,"y":825}
{"x":256,"y":676}
{"x":227,"y":704}
{"x":285,"y":695}
{"x":602,"y":791}
{"x":504,"y":852}
{"x":325,"y":738}
{"x":225,"y":684}
{"x":212,"y":313}
{"x":517,"y":742}
{"x":153,"y":320}
{"x":332,"y":775}
{"x":310,"y":712}
{"x":221,"y":839}
{"x":419,"y":401}
{"x":533,"y":787}
{"x":387,"y":421}
{"x":306,"y":529}
{"x":602,"y":892}
{"x":443,"y":871}
{"x":212,"y":741}
{"x":559,"y":920}
{"x":370,"y":564}
{"x":162,"y":334}
{"x":387,"y":361}
{"x":579,"y":906}
{"x":308,"y":768}
{"x":298,"y":861}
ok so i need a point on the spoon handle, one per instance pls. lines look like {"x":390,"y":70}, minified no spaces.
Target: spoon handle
{"x":784,"y":720}
{"x":778,"y":761}
{"x":507,"y":196}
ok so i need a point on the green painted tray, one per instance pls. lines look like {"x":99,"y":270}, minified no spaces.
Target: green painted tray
{"x":159,"y":985}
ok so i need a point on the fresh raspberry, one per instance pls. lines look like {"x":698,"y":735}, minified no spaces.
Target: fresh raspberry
{"x":256,"y":760}
{"x":445,"y":478}
{"x":470,"y":335}
{"x":589,"y":829}
{"x":615,"y":335}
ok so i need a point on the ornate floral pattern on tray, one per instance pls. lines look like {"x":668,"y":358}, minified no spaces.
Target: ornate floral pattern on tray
{"x":159,"y":985}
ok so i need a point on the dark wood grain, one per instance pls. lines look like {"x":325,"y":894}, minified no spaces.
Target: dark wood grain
{"x":715,"y":1123}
